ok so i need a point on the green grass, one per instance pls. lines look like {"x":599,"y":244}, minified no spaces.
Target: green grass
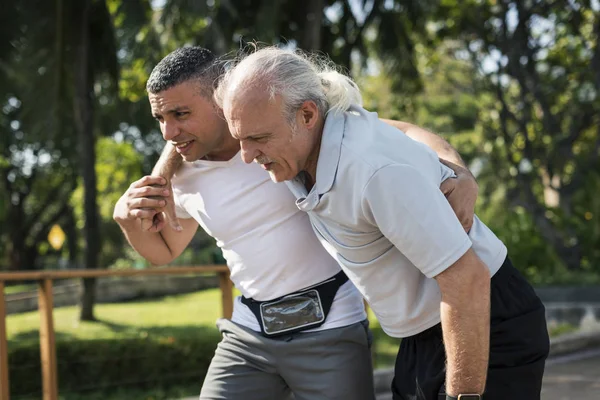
{"x":561,"y":329}
{"x":168,"y":315}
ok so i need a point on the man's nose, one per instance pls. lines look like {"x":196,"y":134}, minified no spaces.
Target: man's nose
{"x":249,"y":153}
{"x":169,"y":130}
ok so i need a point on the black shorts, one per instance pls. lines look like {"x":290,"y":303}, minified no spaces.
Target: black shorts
{"x":519,"y":346}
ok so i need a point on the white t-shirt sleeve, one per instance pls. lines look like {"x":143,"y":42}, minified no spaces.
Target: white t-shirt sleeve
{"x":415,"y":216}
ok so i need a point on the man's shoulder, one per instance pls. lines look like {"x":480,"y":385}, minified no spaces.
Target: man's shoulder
{"x":185,"y":175}
{"x":200,"y":174}
{"x":371,"y":144}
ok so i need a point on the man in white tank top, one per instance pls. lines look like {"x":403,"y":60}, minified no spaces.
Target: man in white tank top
{"x":267,"y":242}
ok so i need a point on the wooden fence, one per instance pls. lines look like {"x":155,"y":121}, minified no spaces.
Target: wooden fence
{"x":45,"y":306}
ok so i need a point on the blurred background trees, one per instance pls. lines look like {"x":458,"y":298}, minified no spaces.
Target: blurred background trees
{"x":512,"y":84}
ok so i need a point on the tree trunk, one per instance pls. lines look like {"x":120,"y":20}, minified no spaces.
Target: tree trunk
{"x":71,"y":233}
{"x":311,"y":38}
{"x":14,"y":222}
{"x":84,"y":121}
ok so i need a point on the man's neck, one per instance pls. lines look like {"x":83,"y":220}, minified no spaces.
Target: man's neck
{"x":225,"y":152}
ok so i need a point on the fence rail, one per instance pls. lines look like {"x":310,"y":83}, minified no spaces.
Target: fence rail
{"x":45,"y":308}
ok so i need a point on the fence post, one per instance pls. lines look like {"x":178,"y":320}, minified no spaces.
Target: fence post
{"x":4,"y":388}
{"x":226,"y":294}
{"x":47,"y":342}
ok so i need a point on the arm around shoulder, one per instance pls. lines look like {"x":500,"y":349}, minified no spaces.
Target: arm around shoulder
{"x":145,"y":201}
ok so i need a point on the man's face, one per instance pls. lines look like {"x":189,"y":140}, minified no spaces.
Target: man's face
{"x":265,"y":134}
{"x":189,"y":120}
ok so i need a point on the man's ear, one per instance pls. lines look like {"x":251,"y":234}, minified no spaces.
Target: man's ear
{"x":309,"y":113}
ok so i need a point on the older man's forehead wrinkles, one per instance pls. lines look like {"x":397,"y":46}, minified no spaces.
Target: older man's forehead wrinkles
{"x":252,"y":136}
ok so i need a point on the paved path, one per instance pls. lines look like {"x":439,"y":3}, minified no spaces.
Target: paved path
{"x":573,"y":377}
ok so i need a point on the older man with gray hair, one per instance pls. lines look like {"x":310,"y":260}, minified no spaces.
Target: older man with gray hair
{"x":470,"y":322}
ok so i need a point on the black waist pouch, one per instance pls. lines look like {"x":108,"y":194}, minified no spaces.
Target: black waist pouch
{"x":298,"y":311}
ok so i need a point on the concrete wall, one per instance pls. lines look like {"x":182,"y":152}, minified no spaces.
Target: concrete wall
{"x":109,"y":290}
{"x":575,"y":305}
{"x":569,"y":294}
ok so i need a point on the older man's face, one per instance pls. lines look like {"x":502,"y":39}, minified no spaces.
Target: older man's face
{"x":265,"y":134}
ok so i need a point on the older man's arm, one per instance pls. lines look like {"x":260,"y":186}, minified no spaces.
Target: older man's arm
{"x":166,"y":166}
{"x":465,"y":314}
{"x":433,"y":240}
{"x":461,"y":191}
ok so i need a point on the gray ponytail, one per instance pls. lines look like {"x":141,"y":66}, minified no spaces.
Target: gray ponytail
{"x":340,"y":91}
{"x":294,"y":76}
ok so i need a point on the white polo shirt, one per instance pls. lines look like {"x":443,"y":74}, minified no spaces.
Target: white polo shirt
{"x":377,"y":207}
{"x":268,"y":243}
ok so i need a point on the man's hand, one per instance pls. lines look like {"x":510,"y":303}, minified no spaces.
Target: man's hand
{"x":461,"y":193}
{"x":145,"y":199}
{"x":166,"y":166}
{"x":157,"y":222}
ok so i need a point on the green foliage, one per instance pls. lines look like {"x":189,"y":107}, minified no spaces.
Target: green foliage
{"x":456,"y":103}
{"x":562,"y":329}
{"x":117,"y":166}
{"x":513,"y":85}
{"x":142,"y":344}
{"x":538,"y":63}
{"x":106,"y":366}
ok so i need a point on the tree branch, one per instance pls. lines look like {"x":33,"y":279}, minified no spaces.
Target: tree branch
{"x":358,"y":38}
{"x":590,"y":164}
{"x":50,"y":198}
{"x":595,"y":64}
{"x":53,"y":216}
{"x":531,"y":82}
{"x":41,"y":234}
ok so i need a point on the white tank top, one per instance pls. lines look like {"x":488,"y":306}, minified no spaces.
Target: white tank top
{"x":269,"y":244}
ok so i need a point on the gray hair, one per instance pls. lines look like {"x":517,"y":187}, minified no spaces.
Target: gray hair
{"x":295,"y":76}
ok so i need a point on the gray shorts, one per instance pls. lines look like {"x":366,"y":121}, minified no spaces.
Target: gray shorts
{"x":328,"y":364}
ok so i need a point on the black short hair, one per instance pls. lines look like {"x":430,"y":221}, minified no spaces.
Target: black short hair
{"x":184,"y":64}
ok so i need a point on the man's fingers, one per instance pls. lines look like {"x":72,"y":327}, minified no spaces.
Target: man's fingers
{"x":149,"y":180}
{"x":143,"y":202}
{"x":172,"y":217}
{"x":149,"y":191}
{"x":449,"y":164}
{"x":143,"y":213}
{"x":159,"y":222}
{"x":155,"y":224}
{"x":467,"y":224}
{"x":170,"y":213}
{"x":146,"y":224}
{"x":448,"y":186}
